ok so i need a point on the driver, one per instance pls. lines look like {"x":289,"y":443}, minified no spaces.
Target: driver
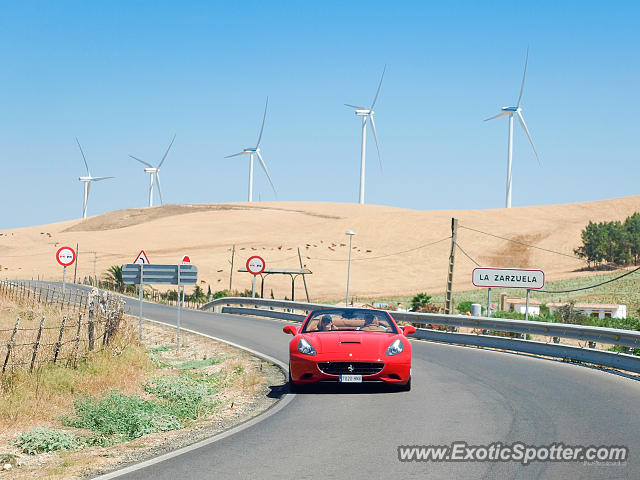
{"x":325,"y":323}
{"x":371,"y":322}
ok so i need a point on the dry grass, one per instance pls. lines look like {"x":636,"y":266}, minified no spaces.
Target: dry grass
{"x":30,"y":400}
{"x":42,"y":398}
{"x":397,"y":251}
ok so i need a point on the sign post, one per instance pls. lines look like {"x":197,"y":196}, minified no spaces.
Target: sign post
{"x":179,"y":312}
{"x":255,"y":266}
{"x":141,"y":288}
{"x":139,"y":273}
{"x":65,"y":257}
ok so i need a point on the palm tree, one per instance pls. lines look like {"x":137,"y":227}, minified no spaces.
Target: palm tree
{"x":198,"y":294}
{"x":114,"y":276}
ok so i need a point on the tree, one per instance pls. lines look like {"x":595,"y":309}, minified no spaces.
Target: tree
{"x":419,"y":301}
{"x":632,"y":226}
{"x":198,"y":294}
{"x":114,"y":275}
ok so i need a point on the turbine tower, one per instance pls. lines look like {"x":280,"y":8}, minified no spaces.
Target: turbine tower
{"x":87,"y":182}
{"x":154,"y":173}
{"x":367,"y":113}
{"x":511,"y":111}
{"x":251,"y":151}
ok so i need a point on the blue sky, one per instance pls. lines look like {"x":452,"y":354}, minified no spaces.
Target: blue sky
{"x":125,"y":76}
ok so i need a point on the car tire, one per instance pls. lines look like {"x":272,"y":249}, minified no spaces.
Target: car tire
{"x":406,"y":387}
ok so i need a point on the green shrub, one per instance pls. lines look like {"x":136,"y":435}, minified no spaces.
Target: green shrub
{"x":464,"y":307}
{"x":125,"y":416}
{"x":43,"y":439}
{"x":185,"y":397}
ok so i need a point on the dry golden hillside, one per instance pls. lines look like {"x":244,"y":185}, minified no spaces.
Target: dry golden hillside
{"x":396,"y":251}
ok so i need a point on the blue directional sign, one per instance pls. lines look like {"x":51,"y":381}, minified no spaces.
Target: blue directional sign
{"x":159,"y":274}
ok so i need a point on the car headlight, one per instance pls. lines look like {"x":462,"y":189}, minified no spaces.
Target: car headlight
{"x":395,"y":348}
{"x":305,"y":347}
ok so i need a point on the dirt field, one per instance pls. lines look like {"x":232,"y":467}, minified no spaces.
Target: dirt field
{"x":396,"y":251}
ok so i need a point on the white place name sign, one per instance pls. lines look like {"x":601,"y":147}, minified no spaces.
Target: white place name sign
{"x":508,"y":278}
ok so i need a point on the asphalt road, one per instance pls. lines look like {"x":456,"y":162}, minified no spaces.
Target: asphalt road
{"x":458,"y":394}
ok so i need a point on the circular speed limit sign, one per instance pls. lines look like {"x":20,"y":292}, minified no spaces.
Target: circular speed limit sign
{"x":255,"y":265}
{"x":66,"y":256}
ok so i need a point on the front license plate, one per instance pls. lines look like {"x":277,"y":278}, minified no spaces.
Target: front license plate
{"x":350,"y":378}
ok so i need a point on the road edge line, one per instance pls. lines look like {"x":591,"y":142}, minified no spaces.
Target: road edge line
{"x":272,"y":410}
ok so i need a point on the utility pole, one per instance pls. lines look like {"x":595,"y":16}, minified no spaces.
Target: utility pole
{"x":452,"y":259}
{"x":75,"y":268}
{"x":95,"y":260}
{"x":233,"y":254}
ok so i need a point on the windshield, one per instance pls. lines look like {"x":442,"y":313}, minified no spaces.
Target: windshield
{"x":349,"y":320}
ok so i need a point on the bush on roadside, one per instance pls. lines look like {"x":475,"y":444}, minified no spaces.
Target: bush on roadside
{"x":127,"y":417}
{"x":43,"y":439}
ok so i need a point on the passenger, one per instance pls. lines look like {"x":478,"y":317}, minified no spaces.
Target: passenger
{"x":325,"y":323}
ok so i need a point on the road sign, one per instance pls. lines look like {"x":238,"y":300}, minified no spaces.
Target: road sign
{"x":508,"y":278}
{"x":142,"y":258}
{"x":186,"y":260}
{"x":159,"y":274}
{"x":66,"y":256}
{"x":255,"y":265}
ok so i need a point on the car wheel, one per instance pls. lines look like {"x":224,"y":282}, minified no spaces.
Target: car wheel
{"x":406,"y":387}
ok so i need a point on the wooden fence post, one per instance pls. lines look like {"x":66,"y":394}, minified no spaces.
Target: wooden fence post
{"x":35,"y":346}
{"x":59,"y":342}
{"x":77,"y":344}
{"x":10,"y":344}
{"x":91,"y":330}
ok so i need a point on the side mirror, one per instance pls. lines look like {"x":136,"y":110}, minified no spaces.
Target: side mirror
{"x":407,"y":330}
{"x":290,"y":329}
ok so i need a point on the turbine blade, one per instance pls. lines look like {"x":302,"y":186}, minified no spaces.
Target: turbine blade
{"x":502,"y":114}
{"x":524,"y":74}
{"x":159,"y":189}
{"x":97,"y":179}
{"x":142,"y":161}
{"x":264,"y":117}
{"x":83,"y":157}
{"x":264,"y":167}
{"x":166,"y":153}
{"x":526,"y":130}
{"x":375,"y":137}
{"x":235,"y":154}
{"x":355,"y":106}
{"x":375,"y":99}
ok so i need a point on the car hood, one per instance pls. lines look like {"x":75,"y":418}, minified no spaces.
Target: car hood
{"x":351,"y":342}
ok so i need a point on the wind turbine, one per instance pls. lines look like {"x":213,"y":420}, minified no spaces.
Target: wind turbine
{"x":367,"y":113}
{"x":251,"y":151}
{"x":154,"y":173}
{"x":87,"y":182}
{"x":511,"y":111}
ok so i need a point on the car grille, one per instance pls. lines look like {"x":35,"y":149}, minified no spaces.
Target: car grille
{"x":358,"y":368}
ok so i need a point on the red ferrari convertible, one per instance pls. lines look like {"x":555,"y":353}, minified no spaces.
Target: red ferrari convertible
{"x":349,"y":345}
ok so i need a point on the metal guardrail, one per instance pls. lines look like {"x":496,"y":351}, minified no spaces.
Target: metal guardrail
{"x":628,"y":338}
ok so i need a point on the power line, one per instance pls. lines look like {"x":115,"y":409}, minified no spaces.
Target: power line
{"x":521,"y":243}
{"x":380,"y":256}
{"x":592,"y":286}
{"x":467,"y":255}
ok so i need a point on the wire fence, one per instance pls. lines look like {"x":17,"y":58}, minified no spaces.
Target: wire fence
{"x":89,"y":321}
